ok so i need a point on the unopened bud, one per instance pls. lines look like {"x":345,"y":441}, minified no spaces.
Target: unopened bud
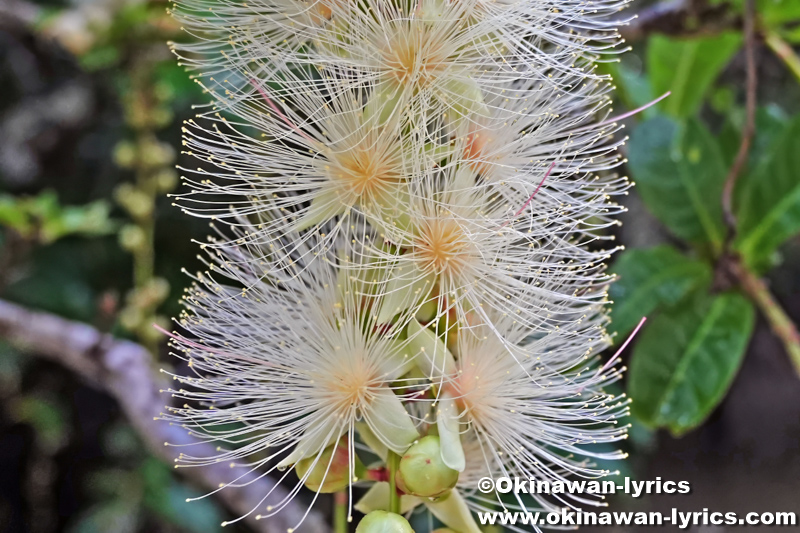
{"x":132,"y":238}
{"x":422,"y":471}
{"x":166,"y":180}
{"x":323,"y":473}
{"x":384,"y":522}
{"x":125,"y":154}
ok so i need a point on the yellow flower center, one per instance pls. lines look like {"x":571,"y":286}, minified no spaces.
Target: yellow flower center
{"x":412,"y":55}
{"x":350,"y":385}
{"x":364,"y":173}
{"x":443,"y":246}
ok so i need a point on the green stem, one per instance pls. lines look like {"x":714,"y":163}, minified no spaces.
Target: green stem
{"x":784,"y":51}
{"x":780,"y":323}
{"x":340,"y":512}
{"x":392,"y":463}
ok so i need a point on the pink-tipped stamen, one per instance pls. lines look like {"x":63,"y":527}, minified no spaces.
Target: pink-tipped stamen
{"x":621,"y":348}
{"x":618,"y":352}
{"x":530,"y":198}
{"x":622,"y":116}
{"x":280,"y":114}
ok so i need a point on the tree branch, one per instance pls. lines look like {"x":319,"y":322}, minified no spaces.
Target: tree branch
{"x":750,"y":122}
{"x":123,"y":369}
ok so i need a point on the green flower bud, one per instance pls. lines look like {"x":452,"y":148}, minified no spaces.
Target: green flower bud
{"x":384,"y":522}
{"x":328,"y":475}
{"x":444,"y":530}
{"x":132,"y":238}
{"x":160,"y":117}
{"x":422,"y":471}
{"x":125,"y":154}
{"x":148,"y":333}
{"x":163,"y":92}
{"x":131,"y":318}
{"x":134,"y":201}
{"x":156,"y":154}
{"x":166,"y":180}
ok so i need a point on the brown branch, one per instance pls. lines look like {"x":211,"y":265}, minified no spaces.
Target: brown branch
{"x":123,"y":369}
{"x":750,"y":122}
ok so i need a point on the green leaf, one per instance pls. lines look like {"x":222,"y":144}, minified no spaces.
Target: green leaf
{"x":688,"y":68}
{"x":771,"y":13}
{"x":686,"y":360}
{"x":680,"y":174}
{"x":650,"y":278}
{"x":768,"y":199}
{"x":633,"y":88}
{"x":42,"y":217}
{"x":13,"y":215}
{"x":771,"y":122}
{"x":729,"y":138}
{"x":777,"y":12}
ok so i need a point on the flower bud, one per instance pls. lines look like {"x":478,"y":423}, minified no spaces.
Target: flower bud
{"x":125,"y":154}
{"x":384,"y":522}
{"x":444,"y":530}
{"x":166,"y":180}
{"x":326,"y":475}
{"x":422,"y":471}
{"x":132,"y":238}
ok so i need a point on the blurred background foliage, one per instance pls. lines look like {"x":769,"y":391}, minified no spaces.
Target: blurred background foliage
{"x":91,"y":103}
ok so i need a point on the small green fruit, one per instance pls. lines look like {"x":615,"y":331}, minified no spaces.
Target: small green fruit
{"x":383,"y":522}
{"x":328,"y":475}
{"x":422,"y":471}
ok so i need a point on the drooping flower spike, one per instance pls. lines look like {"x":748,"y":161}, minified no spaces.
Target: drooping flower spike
{"x":418,"y":201}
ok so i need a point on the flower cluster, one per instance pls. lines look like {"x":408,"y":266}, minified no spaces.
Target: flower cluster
{"x":407,"y":287}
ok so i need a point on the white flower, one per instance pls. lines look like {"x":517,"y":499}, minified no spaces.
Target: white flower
{"x":298,"y":366}
{"x":342,"y":159}
{"x":536,"y":409}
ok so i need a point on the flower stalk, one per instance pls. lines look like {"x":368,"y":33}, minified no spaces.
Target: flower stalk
{"x":394,"y":497}
{"x":340,"y":512}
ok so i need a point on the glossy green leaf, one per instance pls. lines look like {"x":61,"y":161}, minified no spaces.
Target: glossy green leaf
{"x":651,"y":278}
{"x":680,"y":173}
{"x":686,"y":360}
{"x":632,"y":87}
{"x":771,"y":13}
{"x":771,"y":122}
{"x":768,"y":199}
{"x":688,"y":68}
